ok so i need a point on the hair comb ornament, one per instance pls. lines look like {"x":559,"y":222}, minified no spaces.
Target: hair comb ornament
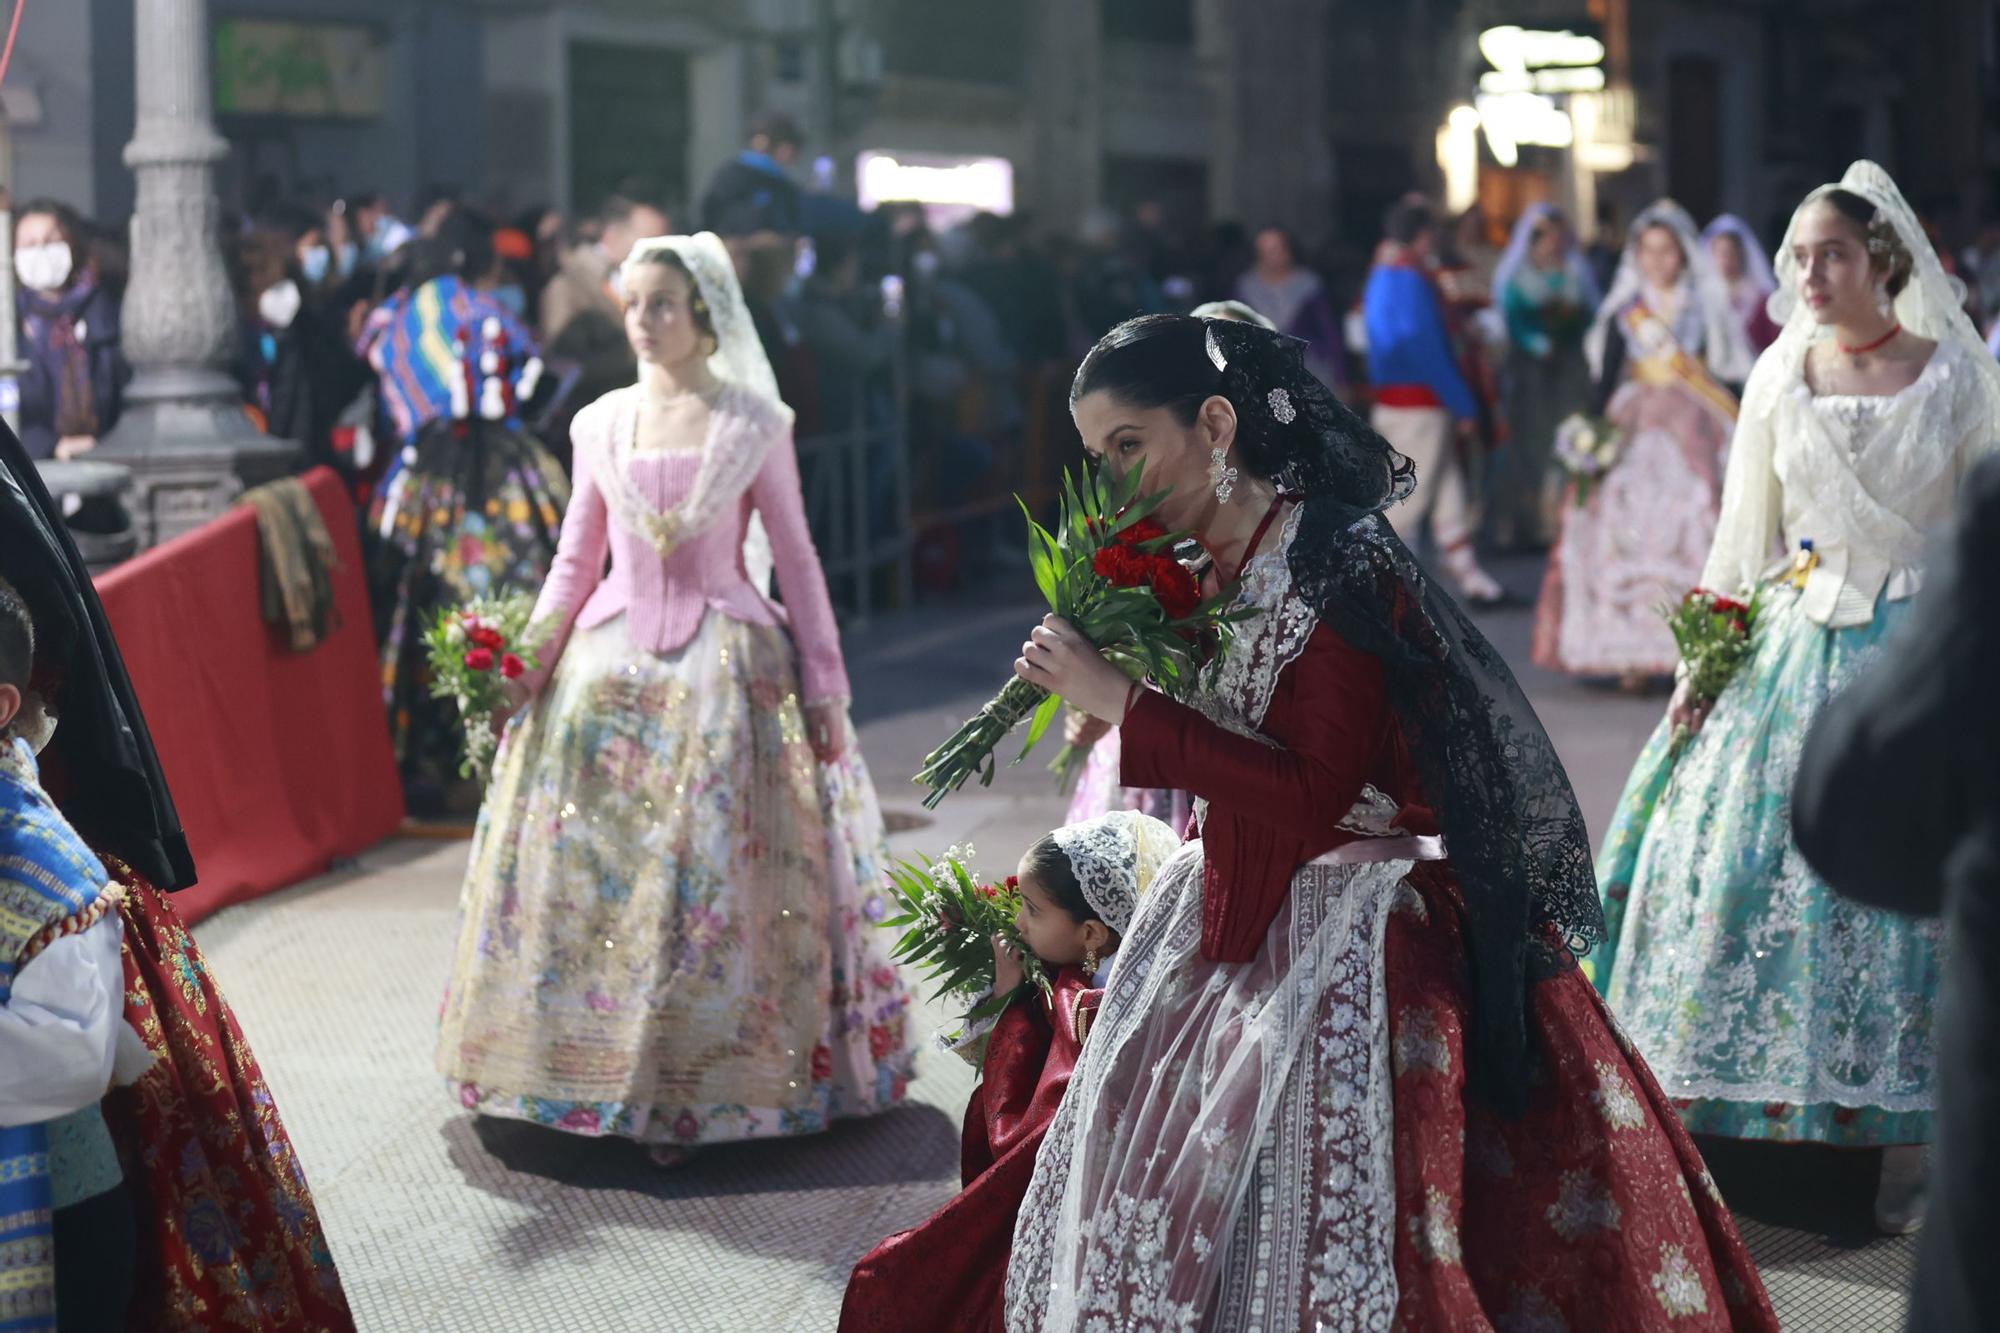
{"x":1281,"y":407}
{"x":1215,"y":350}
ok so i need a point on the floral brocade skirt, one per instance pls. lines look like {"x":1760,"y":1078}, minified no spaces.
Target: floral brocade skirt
{"x":228,"y":1234}
{"x":474,"y":514}
{"x":668,"y":921}
{"x":1769,"y":1006}
{"x":1637,"y":541}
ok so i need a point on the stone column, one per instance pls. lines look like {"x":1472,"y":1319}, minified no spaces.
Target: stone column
{"x":183,"y":432}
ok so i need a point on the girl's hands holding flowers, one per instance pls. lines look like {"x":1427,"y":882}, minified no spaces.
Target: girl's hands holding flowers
{"x":1007,"y":973}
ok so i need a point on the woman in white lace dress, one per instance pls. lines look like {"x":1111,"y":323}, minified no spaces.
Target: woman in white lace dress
{"x":1771,"y":1007}
{"x":1347,"y":1073}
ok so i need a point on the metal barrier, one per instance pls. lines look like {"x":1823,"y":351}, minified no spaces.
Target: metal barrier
{"x":837,"y":469}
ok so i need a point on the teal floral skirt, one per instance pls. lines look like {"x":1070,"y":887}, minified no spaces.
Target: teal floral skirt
{"x":1769,"y":1006}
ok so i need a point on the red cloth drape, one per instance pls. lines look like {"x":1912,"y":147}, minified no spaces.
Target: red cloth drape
{"x":949,"y":1275}
{"x":279,"y":761}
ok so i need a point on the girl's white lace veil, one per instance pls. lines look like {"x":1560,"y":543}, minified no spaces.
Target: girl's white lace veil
{"x":739,"y":354}
{"x":1756,"y":264}
{"x":1725,"y":343}
{"x":1522,"y":240}
{"x":1931,"y":304}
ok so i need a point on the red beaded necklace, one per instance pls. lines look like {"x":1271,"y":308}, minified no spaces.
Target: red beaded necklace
{"x":1865,"y":349}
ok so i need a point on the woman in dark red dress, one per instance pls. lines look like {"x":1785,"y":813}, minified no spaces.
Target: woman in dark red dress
{"x":1347,"y":1074}
{"x":228,"y":1237}
{"x":1079,"y":887}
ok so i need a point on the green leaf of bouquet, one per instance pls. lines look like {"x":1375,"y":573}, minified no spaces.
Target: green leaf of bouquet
{"x":1039,"y":725}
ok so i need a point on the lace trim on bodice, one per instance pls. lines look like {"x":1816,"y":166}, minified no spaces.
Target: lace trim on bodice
{"x":1238,"y":695}
{"x":728,"y":463}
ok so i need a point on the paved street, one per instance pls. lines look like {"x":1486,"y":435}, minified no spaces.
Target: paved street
{"x":442,"y":1224}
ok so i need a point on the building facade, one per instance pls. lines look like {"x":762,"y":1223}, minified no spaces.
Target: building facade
{"x":1315,"y":114}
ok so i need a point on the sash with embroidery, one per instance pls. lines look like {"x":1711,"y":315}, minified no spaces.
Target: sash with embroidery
{"x":50,"y":885}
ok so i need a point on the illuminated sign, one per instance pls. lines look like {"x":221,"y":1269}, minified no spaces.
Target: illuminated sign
{"x":275,"y":67}
{"x":1527,"y":60}
{"x":985,"y":184}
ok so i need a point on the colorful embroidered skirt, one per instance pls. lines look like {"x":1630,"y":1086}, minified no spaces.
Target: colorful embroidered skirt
{"x":229,"y":1237}
{"x":1769,"y":1006}
{"x":474,"y":514}
{"x":668,"y":927}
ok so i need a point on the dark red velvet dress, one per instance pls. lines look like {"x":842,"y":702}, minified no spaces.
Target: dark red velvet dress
{"x":1592,"y":1210}
{"x":947,"y":1274}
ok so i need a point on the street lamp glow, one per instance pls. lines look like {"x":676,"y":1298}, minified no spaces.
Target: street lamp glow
{"x":1514,"y":49}
{"x":982,"y":183}
{"x":1513,"y":119}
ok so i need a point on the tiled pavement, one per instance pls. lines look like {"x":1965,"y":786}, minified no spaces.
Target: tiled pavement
{"x":441,"y":1223}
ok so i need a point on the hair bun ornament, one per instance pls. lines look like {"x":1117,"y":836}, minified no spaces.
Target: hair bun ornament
{"x":1281,"y":407}
{"x":1215,"y":348}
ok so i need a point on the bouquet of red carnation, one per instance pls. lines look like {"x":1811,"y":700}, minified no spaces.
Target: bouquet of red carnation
{"x":1714,"y":634}
{"x":472,"y":649}
{"x":1108,"y":569}
{"x":948,"y":919}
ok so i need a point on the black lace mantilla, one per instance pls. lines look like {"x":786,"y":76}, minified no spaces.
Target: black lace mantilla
{"x":1517,"y":841}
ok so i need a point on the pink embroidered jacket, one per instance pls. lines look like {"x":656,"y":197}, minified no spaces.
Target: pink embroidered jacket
{"x":664,"y":597}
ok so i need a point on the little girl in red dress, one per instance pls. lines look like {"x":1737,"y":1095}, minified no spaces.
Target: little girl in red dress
{"x":1079,"y":886}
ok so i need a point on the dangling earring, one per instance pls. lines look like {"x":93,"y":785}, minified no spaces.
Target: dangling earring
{"x":1221,"y":475}
{"x":1090,"y":960}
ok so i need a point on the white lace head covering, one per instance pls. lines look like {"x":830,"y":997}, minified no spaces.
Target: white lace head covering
{"x":1114,"y":858}
{"x":1523,"y":239}
{"x":1931,"y":304}
{"x":1235,"y":310}
{"x":739,"y":353}
{"x":1707,"y":313}
{"x":1756,"y":264}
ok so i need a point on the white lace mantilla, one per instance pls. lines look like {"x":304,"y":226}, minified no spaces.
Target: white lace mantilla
{"x":1222,"y":1159}
{"x":1239,"y":695}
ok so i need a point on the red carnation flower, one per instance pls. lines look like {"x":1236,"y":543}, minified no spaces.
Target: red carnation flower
{"x":1740,"y":625}
{"x":1730,"y":606}
{"x":1013,"y":883}
{"x":488,"y":637}
{"x":1122,"y":566}
{"x":479,"y":659}
{"x":511,"y":666}
{"x":1145,"y":530}
{"x":1175,"y":587}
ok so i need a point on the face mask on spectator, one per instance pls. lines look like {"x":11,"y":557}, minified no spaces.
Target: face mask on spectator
{"x":279,"y":305}
{"x":314,"y":262}
{"x":926,"y":263}
{"x":349,"y":257}
{"x":512,"y":297}
{"x":43,"y":268}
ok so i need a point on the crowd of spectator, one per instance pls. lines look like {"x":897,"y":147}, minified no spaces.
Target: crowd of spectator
{"x":953,"y":343}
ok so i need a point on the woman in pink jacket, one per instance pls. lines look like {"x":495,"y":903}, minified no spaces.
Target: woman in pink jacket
{"x":668,"y":916}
